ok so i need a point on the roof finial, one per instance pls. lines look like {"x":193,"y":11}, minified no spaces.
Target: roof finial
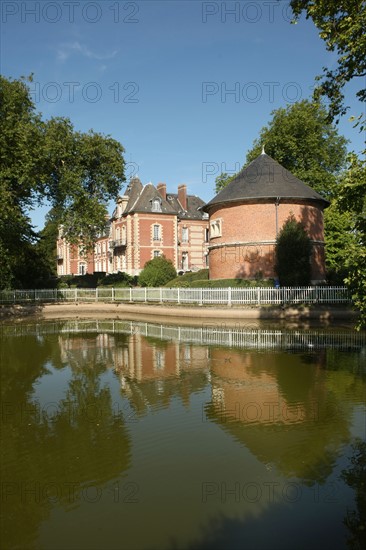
{"x":263,"y":151}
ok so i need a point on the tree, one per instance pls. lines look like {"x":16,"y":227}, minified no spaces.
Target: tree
{"x":351,"y":200}
{"x":293,"y":252}
{"x":342,"y":26}
{"x":302,"y":140}
{"x":339,"y":237}
{"x":222,"y":181}
{"x":78,"y":173}
{"x":157,"y":272}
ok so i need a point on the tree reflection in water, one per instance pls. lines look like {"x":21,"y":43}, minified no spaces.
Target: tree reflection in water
{"x":206,"y":410}
{"x":355,"y":477}
{"x":49,"y":456}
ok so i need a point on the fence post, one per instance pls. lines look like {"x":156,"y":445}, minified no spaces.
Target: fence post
{"x":130,"y":293}
{"x":178,"y":297}
{"x":258,"y":295}
{"x":112,"y":294}
{"x":76,"y":294}
{"x":96,"y":294}
{"x":229,"y":296}
{"x":201,"y":292}
{"x":161,"y":295}
{"x":145,"y":293}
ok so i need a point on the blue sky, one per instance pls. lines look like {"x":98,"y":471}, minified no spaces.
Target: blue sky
{"x":185,"y":86}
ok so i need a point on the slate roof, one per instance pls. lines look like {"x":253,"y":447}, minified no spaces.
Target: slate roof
{"x":265,"y":179}
{"x":194,"y":203}
{"x":141,"y":197}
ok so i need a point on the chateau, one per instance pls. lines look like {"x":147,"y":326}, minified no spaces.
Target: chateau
{"x":234,"y":234}
{"x":147,"y":222}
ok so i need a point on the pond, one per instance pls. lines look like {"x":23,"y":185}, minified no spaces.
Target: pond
{"x":124,"y":434}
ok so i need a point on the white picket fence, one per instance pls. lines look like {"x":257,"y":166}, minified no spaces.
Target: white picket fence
{"x":196,"y":296}
{"x":241,"y":336}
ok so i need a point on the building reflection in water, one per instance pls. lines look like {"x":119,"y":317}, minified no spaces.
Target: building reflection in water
{"x":287,"y":397}
{"x":289,"y":407}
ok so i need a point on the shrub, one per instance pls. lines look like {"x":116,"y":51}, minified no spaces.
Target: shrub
{"x":157,"y":272}
{"x":293,"y":251}
{"x":185,"y":280}
{"x":120,"y":279}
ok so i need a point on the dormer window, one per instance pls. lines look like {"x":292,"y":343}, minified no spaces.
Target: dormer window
{"x":156,"y":205}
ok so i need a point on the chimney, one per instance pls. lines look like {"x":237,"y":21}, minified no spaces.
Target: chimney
{"x":182,"y":195}
{"x":161,"y":187}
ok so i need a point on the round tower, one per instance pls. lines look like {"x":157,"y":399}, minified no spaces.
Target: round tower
{"x":246,"y":216}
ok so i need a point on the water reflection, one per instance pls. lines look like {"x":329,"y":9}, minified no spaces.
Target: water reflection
{"x":288,"y":414}
{"x":53,"y":451}
{"x":355,"y":477}
{"x":167,"y":416}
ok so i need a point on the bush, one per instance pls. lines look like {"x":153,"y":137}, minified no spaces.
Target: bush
{"x":79,"y":281}
{"x":293,"y":251}
{"x":95,"y":280}
{"x":184,"y":281}
{"x":233,"y":283}
{"x":120,"y":279}
{"x":157,"y":272}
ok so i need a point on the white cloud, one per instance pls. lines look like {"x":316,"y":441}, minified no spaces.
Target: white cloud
{"x":67,"y":49}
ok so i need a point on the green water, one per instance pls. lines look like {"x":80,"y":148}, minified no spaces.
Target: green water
{"x":130,"y":435}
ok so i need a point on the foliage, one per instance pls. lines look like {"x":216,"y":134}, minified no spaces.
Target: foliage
{"x":302,"y":140}
{"x":339,"y":237}
{"x":200,"y":280}
{"x":223,"y":180}
{"x":48,"y":160}
{"x":351,"y":200}
{"x":120,"y":279}
{"x":342,"y":27}
{"x":89,"y":280}
{"x":355,"y":477}
{"x":186,"y":279}
{"x":293,"y":252}
{"x":157,"y":272}
{"x":233,"y":283}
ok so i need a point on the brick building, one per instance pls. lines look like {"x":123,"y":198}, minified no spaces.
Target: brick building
{"x":147,"y":222}
{"x":246,"y":216}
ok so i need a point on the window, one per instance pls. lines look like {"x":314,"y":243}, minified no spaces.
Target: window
{"x":156,"y":205}
{"x":207,"y":235}
{"x":215,"y":229}
{"x":157,"y":236}
{"x":159,"y":359}
{"x":184,"y":234}
{"x":156,"y":253}
{"x":82,"y":269}
{"x":187,"y":353}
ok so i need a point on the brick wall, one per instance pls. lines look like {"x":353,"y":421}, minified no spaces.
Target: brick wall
{"x":247,"y":234}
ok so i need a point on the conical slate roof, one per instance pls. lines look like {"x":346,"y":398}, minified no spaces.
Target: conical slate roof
{"x":265,"y":179}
